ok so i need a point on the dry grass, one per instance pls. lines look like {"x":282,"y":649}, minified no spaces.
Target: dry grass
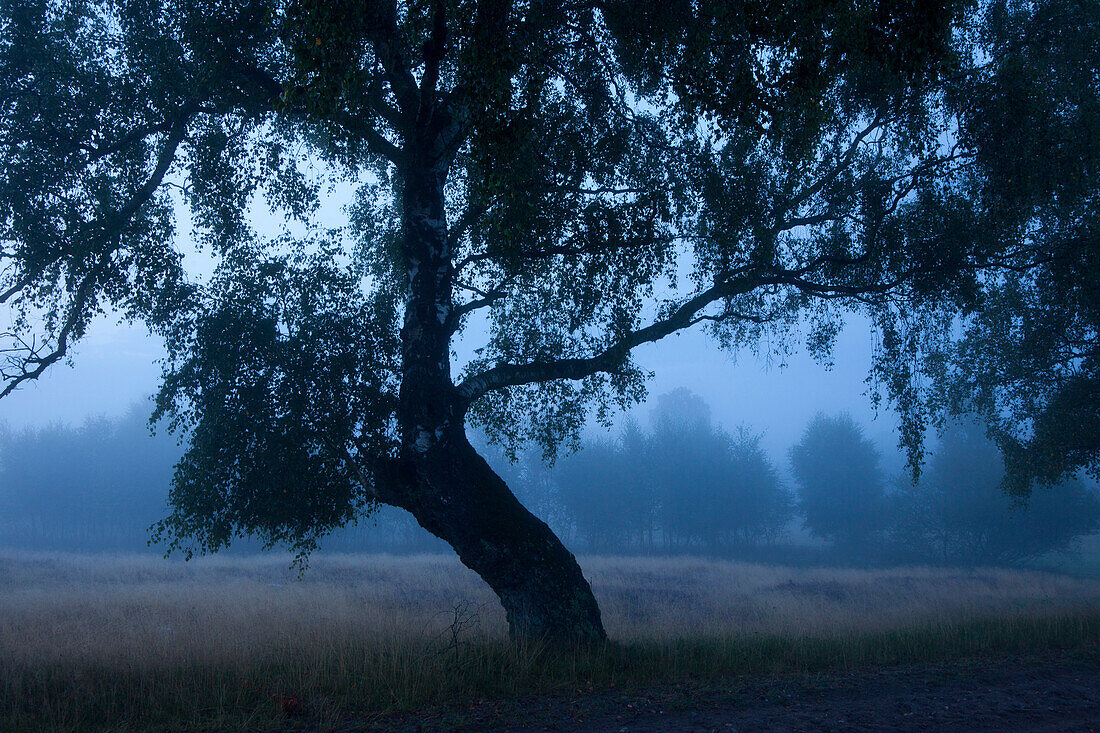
{"x":130,"y":642}
{"x":147,"y":611}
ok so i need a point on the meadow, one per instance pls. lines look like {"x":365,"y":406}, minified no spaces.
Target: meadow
{"x":141,"y":643}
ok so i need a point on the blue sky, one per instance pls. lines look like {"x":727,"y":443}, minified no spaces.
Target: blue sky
{"x":115,"y":366}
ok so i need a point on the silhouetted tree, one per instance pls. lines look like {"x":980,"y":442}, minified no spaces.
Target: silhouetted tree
{"x":841,"y":488}
{"x":547,"y":165}
{"x":1028,"y":359}
{"x":759,"y":506}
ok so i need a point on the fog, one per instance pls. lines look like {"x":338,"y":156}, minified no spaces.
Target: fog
{"x":679,"y":475}
{"x":116,"y":365}
{"x":707,"y":465}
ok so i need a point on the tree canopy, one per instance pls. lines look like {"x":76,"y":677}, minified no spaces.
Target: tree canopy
{"x":562,"y":180}
{"x":1023,"y":354}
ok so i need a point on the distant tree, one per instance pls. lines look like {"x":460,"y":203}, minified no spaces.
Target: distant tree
{"x":759,"y":506}
{"x":684,"y":457}
{"x":712,"y":490}
{"x":97,"y":486}
{"x":684,"y":480}
{"x":606,"y":490}
{"x":841,"y":487}
{"x":958,"y":512}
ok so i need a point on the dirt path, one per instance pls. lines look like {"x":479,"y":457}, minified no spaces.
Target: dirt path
{"x":1050,"y":697}
{"x":1053,"y":693}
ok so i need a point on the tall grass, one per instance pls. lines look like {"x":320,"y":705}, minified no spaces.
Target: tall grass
{"x":142,"y":644}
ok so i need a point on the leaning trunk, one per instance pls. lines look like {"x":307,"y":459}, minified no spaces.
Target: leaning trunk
{"x":458,"y":498}
{"x":447,"y":486}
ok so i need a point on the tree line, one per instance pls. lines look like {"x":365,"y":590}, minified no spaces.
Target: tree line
{"x":678,"y":484}
{"x":686,"y":485}
{"x":95,"y":487}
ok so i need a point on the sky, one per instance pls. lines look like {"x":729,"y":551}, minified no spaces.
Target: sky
{"x":116,"y":366}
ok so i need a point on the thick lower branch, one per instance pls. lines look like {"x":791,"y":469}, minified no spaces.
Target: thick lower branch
{"x":685,"y":316}
{"x":507,"y":375}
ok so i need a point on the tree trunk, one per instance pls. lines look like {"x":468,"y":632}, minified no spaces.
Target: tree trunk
{"x":446,"y":485}
{"x":457,"y":497}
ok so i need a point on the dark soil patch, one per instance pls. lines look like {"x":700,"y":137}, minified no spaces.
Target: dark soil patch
{"x":1052,"y":692}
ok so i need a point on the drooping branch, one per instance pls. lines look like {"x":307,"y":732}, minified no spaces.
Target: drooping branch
{"x":113,"y":222}
{"x":30,"y":361}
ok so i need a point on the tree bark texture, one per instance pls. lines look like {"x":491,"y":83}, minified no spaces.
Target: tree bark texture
{"x":456,"y":496}
{"x":450,"y":490}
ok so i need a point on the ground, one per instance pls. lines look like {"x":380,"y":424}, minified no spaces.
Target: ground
{"x":1052,"y":692}
{"x":369,"y":643}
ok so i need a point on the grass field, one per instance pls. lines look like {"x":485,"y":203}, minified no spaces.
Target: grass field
{"x":139,"y":643}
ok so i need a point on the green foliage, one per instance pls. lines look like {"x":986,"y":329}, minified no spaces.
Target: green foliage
{"x":287,"y":363}
{"x":1022,"y":353}
{"x":101,"y":102}
{"x":606,"y":174}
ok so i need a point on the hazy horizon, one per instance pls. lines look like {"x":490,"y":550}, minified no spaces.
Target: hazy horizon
{"x":115,"y":366}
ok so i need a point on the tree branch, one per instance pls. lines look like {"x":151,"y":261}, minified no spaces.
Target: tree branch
{"x":386,"y":480}
{"x":434,"y":49}
{"x":114,"y":222}
{"x":459,"y":311}
{"x":468,"y":218}
{"x":33,"y":354}
{"x":98,"y":152}
{"x":689,"y":313}
{"x":376,"y":141}
{"x":511,"y":375}
{"x":384,"y":39}
{"x":353,"y":124}
{"x":843,"y":161}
